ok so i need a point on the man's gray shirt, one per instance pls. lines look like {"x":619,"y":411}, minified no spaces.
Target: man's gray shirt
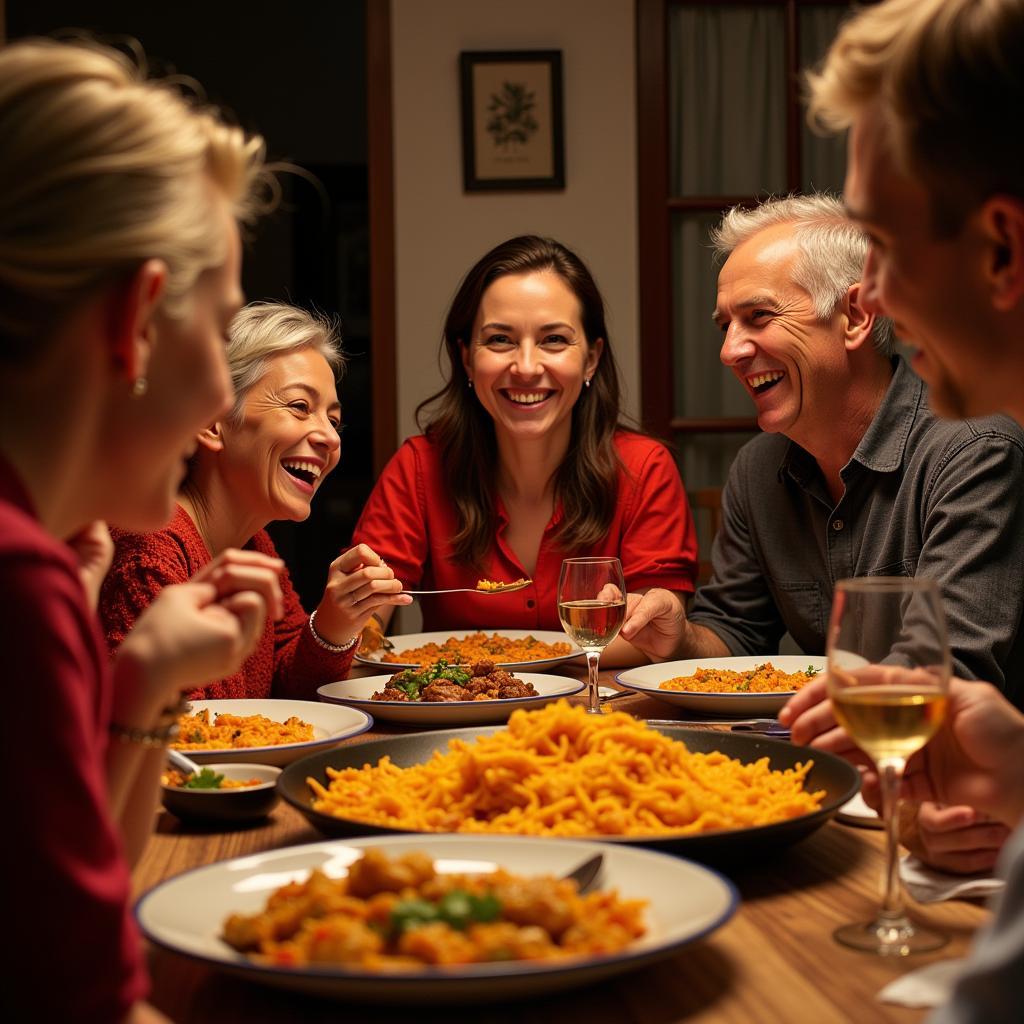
{"x":923,"y":497}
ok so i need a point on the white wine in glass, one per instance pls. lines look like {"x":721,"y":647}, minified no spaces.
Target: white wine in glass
{"x":888,"y":677}
{"x":592,"y":607}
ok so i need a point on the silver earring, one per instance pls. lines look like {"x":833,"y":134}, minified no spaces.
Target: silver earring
{"x":469,"y":383}
{"x":139,"y":386}
{"x":586,"y":382}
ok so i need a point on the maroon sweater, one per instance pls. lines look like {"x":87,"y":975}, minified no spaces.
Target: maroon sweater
{"x":287,"y":661}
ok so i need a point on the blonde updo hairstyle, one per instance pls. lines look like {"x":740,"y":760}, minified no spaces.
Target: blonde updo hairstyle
{"x":103,"y":169}
{"x":263,"y":330}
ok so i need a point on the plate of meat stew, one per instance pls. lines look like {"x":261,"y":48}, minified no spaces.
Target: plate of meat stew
{"x":443,"y":694}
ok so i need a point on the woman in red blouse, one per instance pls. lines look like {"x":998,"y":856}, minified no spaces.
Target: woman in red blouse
{"x":264,"y":461}
{"x":119,"y":271}
{"x":524,"y":459}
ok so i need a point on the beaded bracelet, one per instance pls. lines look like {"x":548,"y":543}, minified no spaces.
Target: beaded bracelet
{"x":164,"y":732}
{"x":326,"y":644}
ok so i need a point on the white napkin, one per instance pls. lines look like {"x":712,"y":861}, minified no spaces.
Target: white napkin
{"x":928,"y":986}
{"x":927,"y":885}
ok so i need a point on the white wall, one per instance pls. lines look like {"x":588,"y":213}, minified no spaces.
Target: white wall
{"x":441,"y":230}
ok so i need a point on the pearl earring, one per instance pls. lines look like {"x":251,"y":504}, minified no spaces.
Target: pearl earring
{"x":469,"y":383}
{"x":139,"y":386}
{"x":586,"y":382}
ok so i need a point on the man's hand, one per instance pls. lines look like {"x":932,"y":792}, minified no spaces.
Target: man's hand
{"x":956,"y":839}
{"x":654,"y":623}
{"x":973,"y":760}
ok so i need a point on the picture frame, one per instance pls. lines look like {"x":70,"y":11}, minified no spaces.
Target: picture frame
{"x":512,"y":128}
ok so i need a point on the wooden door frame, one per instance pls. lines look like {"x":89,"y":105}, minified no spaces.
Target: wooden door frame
{"x":381,"y":172}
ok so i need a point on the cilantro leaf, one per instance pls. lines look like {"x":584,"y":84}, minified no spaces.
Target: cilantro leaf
{"x":207,"y":778}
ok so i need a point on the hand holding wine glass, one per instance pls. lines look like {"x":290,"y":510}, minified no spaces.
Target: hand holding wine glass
{"x":592,"y":606}
{"x":888,"y":677}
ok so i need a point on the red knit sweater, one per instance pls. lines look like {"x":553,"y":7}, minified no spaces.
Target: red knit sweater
{"x":287,"y":661}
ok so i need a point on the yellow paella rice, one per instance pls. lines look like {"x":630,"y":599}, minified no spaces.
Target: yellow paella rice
{"x":764,"y":678}
{"x":230,"y":732}
{"x":479,"y":647}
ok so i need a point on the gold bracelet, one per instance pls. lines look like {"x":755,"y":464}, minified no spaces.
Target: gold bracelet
{"x":164,"y":732}
{"x":161,"y":736}
{"x":326,"y":644}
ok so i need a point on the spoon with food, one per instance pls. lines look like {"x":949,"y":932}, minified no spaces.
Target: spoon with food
{"x":482,"y":587}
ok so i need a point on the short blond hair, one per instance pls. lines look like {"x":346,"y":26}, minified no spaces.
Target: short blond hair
{"x":948,"y":79}
{"x":263,"y":330}
{"x":103,"y":169}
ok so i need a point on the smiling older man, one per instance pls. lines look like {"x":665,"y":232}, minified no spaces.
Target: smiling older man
{"x":853,"y":475}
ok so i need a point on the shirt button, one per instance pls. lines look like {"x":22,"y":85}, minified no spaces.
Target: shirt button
{"x":530,"y":603}
{"x":837,"y":524}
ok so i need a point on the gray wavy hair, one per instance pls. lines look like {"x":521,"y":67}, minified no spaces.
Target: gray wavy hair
{"x":262,"y":330}
{"x":831,"y":250}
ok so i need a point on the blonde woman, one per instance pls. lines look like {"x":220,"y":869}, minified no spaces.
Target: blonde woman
{"x":119,"y":275}
{"x":263,"y":461}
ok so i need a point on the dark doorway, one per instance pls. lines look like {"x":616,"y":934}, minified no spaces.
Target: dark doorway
{"x":296,"y":73}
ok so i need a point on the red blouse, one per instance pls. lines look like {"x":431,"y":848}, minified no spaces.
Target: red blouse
{"x":287,"y":661}
{"x":409,"y":521}
{"x":76,"y":954}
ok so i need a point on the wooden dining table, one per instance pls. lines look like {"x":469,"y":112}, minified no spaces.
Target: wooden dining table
{"x":775,"y":960}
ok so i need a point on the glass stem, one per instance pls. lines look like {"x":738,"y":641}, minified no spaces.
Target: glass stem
{"x":593,"y":698}
{"x":892,"y":897}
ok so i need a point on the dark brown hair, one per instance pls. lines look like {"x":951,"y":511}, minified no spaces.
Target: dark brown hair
{"x":586,"y":483}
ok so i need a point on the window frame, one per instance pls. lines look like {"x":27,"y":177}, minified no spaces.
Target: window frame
{"x":657,"y":204}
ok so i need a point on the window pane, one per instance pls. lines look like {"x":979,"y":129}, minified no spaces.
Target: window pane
{"x":823,"y":158}
{"x":702,"y":386}
{"x":727,"y":94}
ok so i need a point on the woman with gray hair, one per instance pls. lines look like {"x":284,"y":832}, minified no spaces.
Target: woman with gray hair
{"x":264,"y":461}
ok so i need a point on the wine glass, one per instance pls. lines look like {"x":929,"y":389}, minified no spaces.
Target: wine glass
{"x":592,"y":607}
{"x":888,"y":677}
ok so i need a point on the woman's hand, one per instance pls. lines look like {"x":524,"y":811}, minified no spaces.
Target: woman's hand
{"x":189,"y":636}
{"x":94,"y":550}
{"x":358,"y":584}
{"x":236,"y":571}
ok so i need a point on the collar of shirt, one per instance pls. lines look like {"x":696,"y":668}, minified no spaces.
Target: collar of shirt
{"x":884,"y":443}
{"x":501,"y":513}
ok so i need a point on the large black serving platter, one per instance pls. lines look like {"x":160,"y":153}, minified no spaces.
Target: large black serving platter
{"x":836,"y":777}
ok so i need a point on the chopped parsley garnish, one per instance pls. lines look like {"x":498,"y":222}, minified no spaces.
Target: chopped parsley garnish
{"x":457,"y":908}
{"x":412,"y":683}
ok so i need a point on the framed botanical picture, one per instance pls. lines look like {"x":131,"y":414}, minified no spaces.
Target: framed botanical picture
{"x":512,"y":119}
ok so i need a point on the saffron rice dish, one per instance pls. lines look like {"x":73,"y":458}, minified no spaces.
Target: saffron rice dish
{"x":764,"y":678}
{"x":400,"y":915}
{"x":561,"y":772}
{"x":236,"y":732}
{"x":476,"y":647}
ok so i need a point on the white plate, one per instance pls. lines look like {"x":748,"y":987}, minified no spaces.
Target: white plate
{"x":686,"y":902}
{"x":857,"y":812}
{"x":331,"y":724}
{"x":648,"y":678}
{"x":409,"y":640}
{"x":357,"y":693}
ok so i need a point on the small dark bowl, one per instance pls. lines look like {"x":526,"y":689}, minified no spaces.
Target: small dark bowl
{"x":229,"y":805}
